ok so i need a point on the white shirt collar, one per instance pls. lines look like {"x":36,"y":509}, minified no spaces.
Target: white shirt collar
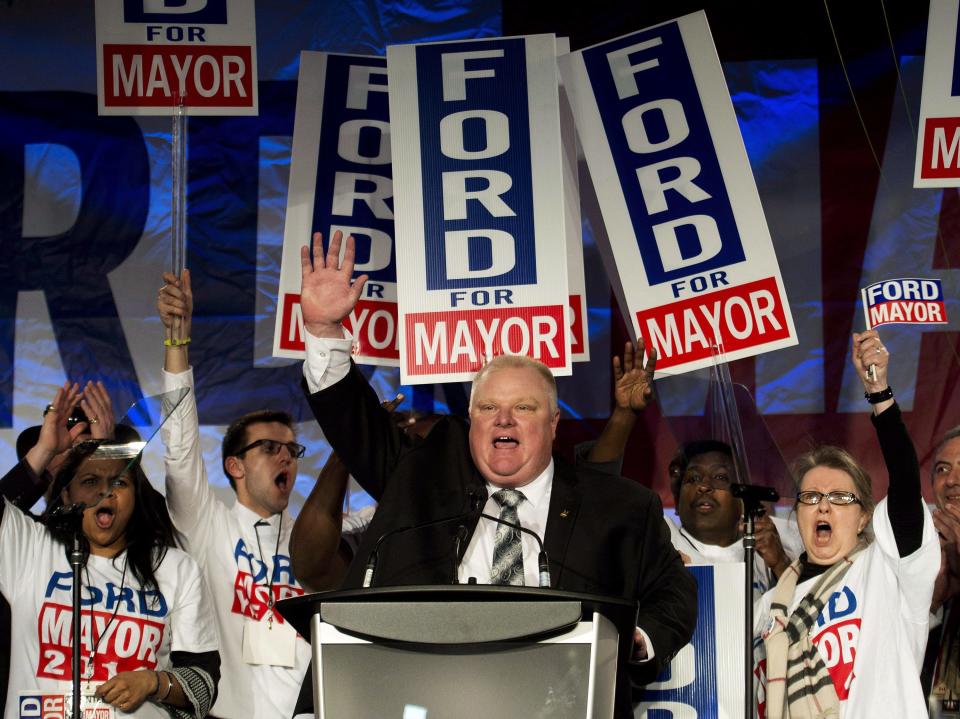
{"x":534,"y":491}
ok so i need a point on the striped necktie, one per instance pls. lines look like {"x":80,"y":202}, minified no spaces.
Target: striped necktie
{"x":507,"y":548}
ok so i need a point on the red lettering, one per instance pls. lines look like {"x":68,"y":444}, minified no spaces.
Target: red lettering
{"x":154,"y":75}
{"x":735,"y":318}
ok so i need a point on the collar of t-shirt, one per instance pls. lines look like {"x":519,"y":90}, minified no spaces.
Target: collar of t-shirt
{"x":532,"y":512}
{"x":730,"y":553}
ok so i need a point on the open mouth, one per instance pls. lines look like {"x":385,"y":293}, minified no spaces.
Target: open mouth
{"x":281,"y":480}
{"x":704,"y":505}
{"x":823,"y":533}
{"x":505,"y":442}
{"x":104,"y":517}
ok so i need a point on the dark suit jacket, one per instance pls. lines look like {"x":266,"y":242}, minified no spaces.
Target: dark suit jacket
{"x":605,"y":535}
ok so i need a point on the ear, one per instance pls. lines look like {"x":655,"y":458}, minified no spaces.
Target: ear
{"x":234,"y":467}
{"x":554,"y":422}
{"x":864,"y":521}
{"x":65,"y":496}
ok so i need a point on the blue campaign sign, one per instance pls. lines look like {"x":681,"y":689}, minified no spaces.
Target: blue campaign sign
{"x":678,"y":689}
{"x":664,"y":154}
{"x":206,"y":12}
{"x":354,"y":186}
{"x":476,"y":164}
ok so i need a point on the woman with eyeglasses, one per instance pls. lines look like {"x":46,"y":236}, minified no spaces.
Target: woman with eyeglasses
{"x":148,"y":644}
{"x":843,"y":632}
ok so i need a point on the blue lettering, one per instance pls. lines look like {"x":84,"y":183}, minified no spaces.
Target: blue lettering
{"x":475,"y":145}
{"x":71,"y":266}
{"x":281,"y":567}
{"x":152,"y":603}
{"x":257,"y":569}
{"x":115,"y":595}
{"x":59,"y":580}
{"x":354,"y":184}
{"x":664,"y":154}
{"x":209,"y":12}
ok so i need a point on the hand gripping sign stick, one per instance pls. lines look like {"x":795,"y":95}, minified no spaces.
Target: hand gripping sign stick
{"x":872,"y":368}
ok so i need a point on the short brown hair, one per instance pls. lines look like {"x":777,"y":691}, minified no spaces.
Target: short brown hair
{"x":235,"y":437}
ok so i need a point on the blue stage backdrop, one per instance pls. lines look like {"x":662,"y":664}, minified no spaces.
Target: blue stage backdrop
{"x":85,"y":218}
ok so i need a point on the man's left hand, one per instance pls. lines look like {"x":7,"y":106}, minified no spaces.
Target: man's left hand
{"x":633,"y":383}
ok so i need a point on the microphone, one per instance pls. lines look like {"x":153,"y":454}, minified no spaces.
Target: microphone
{"x":457,"y":543}
{"x":371,"y":568}
{"x":752,"y":495}
{"x":754,"y":492}
{"x":542,"y":561}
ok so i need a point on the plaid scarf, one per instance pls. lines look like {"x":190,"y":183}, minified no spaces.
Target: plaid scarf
{"x":798,"y":683}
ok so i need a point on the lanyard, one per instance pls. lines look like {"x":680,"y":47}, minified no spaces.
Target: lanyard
{"x":256,"y":530}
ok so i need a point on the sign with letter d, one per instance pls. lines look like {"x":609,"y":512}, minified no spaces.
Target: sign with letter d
{"x":481,"y":261}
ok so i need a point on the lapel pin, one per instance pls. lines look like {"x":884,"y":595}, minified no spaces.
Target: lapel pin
{"x":565,"y":513}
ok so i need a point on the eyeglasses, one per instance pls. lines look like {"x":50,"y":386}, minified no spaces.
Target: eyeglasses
{"x":272,"y":446}
{"x":839,"y":498}
{"x":716,"y":481}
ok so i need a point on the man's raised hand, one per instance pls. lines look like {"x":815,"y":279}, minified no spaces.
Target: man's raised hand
{"x":326,"y":292}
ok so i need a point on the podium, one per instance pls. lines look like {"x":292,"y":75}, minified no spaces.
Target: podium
{"x":463,"y":651}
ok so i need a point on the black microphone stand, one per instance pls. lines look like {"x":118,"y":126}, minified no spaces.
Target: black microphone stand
{"x":70,"y":517}
{"x":751,"y":496}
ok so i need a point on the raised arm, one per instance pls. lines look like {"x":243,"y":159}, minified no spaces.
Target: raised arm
{"x":327,"y":292}
{"x":904,"y":496}
{"x":632,"y":392}
{"x":189,"y":496}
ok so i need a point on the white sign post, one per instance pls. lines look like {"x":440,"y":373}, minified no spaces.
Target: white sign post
{"x":481,"y":254}
{"x":695,"y":262}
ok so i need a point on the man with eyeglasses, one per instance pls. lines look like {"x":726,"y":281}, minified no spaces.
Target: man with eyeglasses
{"x":710,"y":529}
{"x":242,"y":550}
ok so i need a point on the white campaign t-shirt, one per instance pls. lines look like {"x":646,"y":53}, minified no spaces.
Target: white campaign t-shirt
{"x":873,"y":628}
{"x":123,"y":626}
{"x":240,"y":571}
{"x":701,"y":553}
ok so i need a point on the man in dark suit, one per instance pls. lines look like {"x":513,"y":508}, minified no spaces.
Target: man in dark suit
{"x":604,"y":535}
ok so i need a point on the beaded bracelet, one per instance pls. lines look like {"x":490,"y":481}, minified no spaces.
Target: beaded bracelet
{"x":176,"y":343}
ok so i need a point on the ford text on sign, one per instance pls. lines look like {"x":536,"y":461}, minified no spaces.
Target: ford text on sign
{"x":695,"y":262}
{"x":477,"y":159}
{"x":904,"y":301}
{"x":341,"y":180}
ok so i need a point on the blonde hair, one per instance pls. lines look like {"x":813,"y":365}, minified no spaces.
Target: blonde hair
{"x":517,"y":362}
{"x":833,"y":457}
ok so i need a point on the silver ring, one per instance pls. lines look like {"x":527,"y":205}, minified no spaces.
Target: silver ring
{"x":94,"y":420}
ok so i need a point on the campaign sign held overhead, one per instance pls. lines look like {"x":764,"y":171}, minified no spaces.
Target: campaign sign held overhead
{"x":152,"y":54}
{"x":573,"y":228}
{"x":938,"y":136}
{"x":695,"y":263}
{"x":481,"y":262}
{"x":340,"y":180}
{"x":909,"y":301}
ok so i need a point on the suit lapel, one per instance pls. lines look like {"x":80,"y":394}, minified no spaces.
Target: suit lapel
{"x":562,"y":515}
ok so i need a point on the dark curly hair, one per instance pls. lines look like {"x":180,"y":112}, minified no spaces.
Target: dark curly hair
{"x":150,"y":531}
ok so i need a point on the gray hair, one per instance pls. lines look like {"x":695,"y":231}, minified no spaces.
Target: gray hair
{"x":833,"y":457}
{"x":517,"y":362}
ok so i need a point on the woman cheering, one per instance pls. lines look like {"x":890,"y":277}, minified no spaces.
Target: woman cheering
{"x":843,"y":632}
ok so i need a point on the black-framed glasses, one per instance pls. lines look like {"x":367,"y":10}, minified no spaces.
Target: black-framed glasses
{"x":839,"y":498}
{"x":272,"y":446}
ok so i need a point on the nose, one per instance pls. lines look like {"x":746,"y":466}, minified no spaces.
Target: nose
{"x":704,"y":485}
{"x":953,"y":479}
{"x":504,"y":417}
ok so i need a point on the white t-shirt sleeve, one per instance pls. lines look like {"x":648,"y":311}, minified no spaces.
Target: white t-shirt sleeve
{"x":916,"y":572}
{"x":327,"y":361}
{"x":192,"y":620}
{"x":189,"y":496}
{"x":20,"y":539}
